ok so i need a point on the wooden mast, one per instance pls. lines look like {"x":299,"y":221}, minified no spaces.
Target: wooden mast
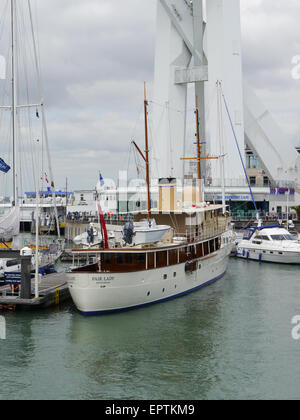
{"x":198,"y":140}
{"x":147,"y":153}
{"x":14,"y":102}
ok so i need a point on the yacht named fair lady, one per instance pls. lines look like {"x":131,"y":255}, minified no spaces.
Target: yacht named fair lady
{"x":186,"y":246}
{"x":193,"y":254}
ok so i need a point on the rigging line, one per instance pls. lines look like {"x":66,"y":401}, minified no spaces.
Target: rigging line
{"x":6,"y":135}
{"x":170,"y":143}
{"x":136,"y":122}
{"x":221,"y":146}
{"x":153,"y":151}
{"x":26,"y":59}
{"x":3,"y":16}
{"x":181,"y":111}
{"x":239,"y":150}
{"x":44,"y":121}
{"x":37,"y":34}
{"x":6,"y":82}
{"x":129,"y":157}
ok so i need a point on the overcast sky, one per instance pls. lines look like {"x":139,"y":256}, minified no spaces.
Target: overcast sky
{"x":96,"y":54}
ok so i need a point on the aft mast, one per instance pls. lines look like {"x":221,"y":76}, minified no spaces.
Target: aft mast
{"x":146,"y":155}
{"x":14,"y":103}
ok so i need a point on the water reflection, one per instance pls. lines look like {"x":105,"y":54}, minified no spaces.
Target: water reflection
{"x":231,"y":340}
{"x":150,"y":352}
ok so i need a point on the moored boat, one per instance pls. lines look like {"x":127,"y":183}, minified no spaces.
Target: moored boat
{"x":178,"y":249}
{"x":269,"y":244}
{"x":126,"y":278}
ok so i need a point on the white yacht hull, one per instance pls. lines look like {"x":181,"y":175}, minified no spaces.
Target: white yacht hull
{"x":279,"y":257}
{"x":99,"y":293}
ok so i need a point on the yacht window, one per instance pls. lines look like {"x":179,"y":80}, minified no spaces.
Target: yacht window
{"x":107,"y":258}
{"x":263,"y":238}
{"x":119,"y":258}
{"x":289,"y":237}
{"x":141,"y":258}
{"x":278,"y":237}
{"x":11,"y":263}
{"x":128,"y":258}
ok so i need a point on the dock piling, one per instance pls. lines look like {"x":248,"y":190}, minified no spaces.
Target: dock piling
{"x":26,"y":255}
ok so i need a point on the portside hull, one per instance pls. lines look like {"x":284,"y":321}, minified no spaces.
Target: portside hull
{"x":100,"y":293}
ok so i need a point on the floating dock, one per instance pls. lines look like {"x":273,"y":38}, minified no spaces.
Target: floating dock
{"x":53,"y":288}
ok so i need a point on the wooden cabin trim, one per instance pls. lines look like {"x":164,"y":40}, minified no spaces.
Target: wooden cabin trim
{"x":118,"y":261}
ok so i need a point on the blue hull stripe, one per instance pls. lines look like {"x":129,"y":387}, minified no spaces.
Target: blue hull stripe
{"x":154,"y":302}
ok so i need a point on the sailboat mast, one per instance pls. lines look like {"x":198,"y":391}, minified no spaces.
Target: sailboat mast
{"x":14,"y":103}
{"x":37,"y":221}
{"x":198,"y":151}
{"x":198,"y":140}
{"x":147,"y":154}
{"x":221,"y":144}
{"x":44,"y":118}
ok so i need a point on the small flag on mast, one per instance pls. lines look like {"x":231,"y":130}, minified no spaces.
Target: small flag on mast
{"x":100,"y":184}
{"x":101,"y":180}
{"x":4,"y":167}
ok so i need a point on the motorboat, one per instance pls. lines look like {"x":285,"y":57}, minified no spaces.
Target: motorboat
{"x":271,"y":243}
{"x":91,"y":237}
{"x":144,"y":232}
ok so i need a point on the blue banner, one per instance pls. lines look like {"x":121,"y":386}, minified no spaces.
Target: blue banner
{"x":4,"y":167}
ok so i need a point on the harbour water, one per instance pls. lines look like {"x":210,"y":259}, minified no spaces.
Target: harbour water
{"x":231,"y":340}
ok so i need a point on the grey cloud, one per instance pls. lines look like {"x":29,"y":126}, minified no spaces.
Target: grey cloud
{"x":95,"y":55}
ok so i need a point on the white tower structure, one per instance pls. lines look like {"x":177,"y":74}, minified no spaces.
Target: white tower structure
{"x":180,"y":59}
{"x":223,"y":50}
{"x":199,"y":42}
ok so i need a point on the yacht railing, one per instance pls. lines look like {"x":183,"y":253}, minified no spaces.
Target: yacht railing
{"x":202,"y":233}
